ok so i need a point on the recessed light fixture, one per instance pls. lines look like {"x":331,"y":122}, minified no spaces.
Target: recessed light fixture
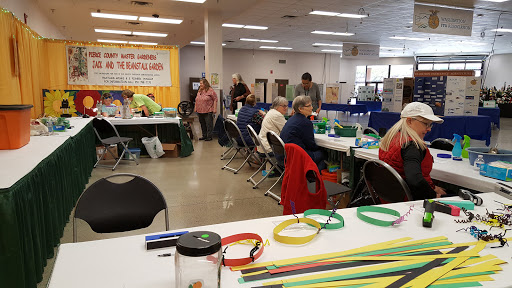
{"x":344,"y":15}
{"x":502,"y":30}
{"x":161,"y":20}
{"x":325,"y":44}
{"x":151,"y":34}
{"x":258,"y":40}
{"x":202,"y":43}
{"x":142,"y":43}
{"x":112,"y":41}
{"x":408,"y":38}
{"x":277,"y":48}
{"x":333,"y":33}
{"x":330,"y":50}
{"x":113,"y":16}
{"x":112,"y":31}
{"x":193,"y":1}
{"x":233,"y":25}
{"x":255,"y":27}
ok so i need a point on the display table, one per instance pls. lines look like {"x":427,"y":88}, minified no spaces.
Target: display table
{"x":39,"y":186}
{"x":494,"y":113}
{"x":476,"y":127}
{"x":505,"y":110}
{"x":341,"y":144}
{"x":137,"y":128}
{"x":124,"y":262}
{"x":372,"y":106}
{"x":459,"y":173}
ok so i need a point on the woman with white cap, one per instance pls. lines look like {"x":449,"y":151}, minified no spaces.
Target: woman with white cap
{"x":404,"y":149}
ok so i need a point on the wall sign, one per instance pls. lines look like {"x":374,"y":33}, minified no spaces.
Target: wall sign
{"x":432,"y":19}
{"x":360,"y":51}
{"x":118,"y":66}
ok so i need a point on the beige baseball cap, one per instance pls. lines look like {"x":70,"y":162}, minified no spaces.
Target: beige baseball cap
{"x":420,"y":109}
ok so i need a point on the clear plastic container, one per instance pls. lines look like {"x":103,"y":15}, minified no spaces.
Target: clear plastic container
{"x":198,"y":260}
{"x":478,"y":161}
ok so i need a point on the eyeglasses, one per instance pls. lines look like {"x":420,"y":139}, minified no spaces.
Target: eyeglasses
{"x":109,"y":97}
{"x":309,"y":105}
{"x":428,"y":125}
{"x":284,"y":105}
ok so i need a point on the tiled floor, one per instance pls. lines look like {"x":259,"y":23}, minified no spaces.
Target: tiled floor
{"x":198,"y":192}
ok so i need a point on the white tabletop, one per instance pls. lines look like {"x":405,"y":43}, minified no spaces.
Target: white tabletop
{"x":342,"y":144}
{"x":19,"y":162}
{"x":143,"y":121}
{"x":124,"y":262}
{"x":447,"y":170}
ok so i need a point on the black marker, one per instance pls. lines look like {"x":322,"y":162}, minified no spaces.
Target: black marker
{"x":165,"y":255}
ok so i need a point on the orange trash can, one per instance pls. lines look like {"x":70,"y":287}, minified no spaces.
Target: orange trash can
{"x":14,"y":126}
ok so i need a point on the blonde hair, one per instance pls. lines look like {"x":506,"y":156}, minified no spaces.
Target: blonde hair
{"x":251,"y":100}
{"x":238,"y":78}
{"x":407,"y":134}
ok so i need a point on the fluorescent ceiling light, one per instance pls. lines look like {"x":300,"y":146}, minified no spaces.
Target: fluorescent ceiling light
{"x":233,"y":25}
{"x":390,"y":48}
{"x":269,"y":41}
{"x":273,"y":47}
{"x":112,"y":31}
{"x":329,"y":50}
{"x":502,"y":30}
{"x":322,"y":32}
{"x":284,"y":48}
{"x":161,"y":20}
{"x":267,"y":47}
{"x":149,"y":34}
{"x":408,"y":38}
{"x":193,"y":1}
{"x":113,"y":16}
{"x":113,"y":41}
{"x":348,"y":15}
{"x":324,"y":13}
{"x":255,"y":27}
{"x":343,"y":34}
{"x":249,"y":39}
{"x":325,"y":44}
{"x":142,"y":43}
{"x":202,"y":43}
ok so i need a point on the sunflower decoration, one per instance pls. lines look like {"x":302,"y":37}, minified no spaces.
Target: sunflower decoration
{"x":53,"y":102}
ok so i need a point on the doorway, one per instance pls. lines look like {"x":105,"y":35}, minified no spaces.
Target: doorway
{"x":281,"y":90}
{"x":193,"y":87}
{"x":264,"y":81}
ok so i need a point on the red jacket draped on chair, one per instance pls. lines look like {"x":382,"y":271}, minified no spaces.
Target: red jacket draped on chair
{"x":295,"y":184}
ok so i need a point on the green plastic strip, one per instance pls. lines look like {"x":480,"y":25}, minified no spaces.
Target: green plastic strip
{"x":327,"y":213}
{"x":457,"y":285}
{"x":376,"y":209}
{"x":468,"y":205}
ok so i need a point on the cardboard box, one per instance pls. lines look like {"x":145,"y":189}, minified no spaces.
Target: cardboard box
{"x":107,"y":156}
{"x":172,"y":150}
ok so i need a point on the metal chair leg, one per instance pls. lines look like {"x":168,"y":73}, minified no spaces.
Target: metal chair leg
{"x":232,"y":157}
{"x":257,"y":172}
{"x":270,"y":193}
{"x":222,"y":157}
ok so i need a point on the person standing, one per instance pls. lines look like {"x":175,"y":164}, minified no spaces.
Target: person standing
{"x":206,"y":108}
{"x":239,"y":92}
{"x":141,"y":101}
{"x":311,"y":89}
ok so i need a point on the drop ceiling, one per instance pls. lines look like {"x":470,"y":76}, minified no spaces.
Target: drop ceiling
{"x":290,"y":23}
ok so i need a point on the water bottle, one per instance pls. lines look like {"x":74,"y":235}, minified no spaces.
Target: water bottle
{"x":49,"y":125}
{"x":327,"y":127}
{"x":478,"y":161}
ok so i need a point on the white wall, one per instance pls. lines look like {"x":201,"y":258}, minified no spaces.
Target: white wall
{"x":499,"y":71}
{"x":36,"y":20}
{"x":348,"y":70}
{"x":258,"y":64}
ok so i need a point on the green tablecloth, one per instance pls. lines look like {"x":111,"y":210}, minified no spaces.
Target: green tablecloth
{"x":34,"y":211}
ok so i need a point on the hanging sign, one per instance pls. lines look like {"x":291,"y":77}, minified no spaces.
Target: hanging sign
{"x":432,"y":19}
{"x":118,"y":66}
{"x":360,"y":51}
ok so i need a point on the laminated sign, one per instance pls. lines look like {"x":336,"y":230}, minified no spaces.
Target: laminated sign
{"x":432,"y":19}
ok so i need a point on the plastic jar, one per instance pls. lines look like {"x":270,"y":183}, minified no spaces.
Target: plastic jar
{"x":198,"y":260}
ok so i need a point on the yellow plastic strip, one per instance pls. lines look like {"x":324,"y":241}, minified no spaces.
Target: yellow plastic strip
{"x":484,"y":267}
{"x":346,"y":272}
{"x":342,"y":283}
{"x":373,"y":247}
{"x":295,"y":240}
{"x":254,"y":273}
{"x":403,"y":258}
{"x":465,"y":279}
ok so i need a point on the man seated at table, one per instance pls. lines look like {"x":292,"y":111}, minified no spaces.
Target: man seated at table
{"x":404,"y":149}
{"x":299,"y":130}
{"x":142,"y":101}
{"x":311,"y":89}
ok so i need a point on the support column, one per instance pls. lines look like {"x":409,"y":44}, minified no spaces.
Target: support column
{"x":213,"y":50}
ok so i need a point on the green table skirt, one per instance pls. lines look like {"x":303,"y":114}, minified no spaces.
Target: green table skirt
{"x":35,"y":210}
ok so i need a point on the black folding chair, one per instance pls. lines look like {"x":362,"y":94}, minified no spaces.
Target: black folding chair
{"x":277,"y":145}
{"x":267,"y":159}
{"x":245,"y":150}
{"x":442,"y":144}
{"x":370,"y":130}
{"x":333,"y":190}
{"x":385,"y":183}
{"x":114,"y":206}
{"x":104,"y":127}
